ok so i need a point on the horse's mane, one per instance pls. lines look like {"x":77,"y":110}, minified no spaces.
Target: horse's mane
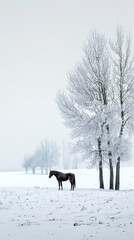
{"x":54,"y":171}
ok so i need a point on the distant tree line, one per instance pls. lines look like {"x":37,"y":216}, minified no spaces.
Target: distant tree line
{"x":44,"y":157}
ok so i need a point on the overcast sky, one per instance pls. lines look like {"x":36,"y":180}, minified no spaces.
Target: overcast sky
{"x":40,"y":41}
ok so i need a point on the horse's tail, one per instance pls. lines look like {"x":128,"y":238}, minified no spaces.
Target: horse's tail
{"x":74,"y":181}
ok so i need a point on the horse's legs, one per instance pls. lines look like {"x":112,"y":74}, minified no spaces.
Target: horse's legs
{"x":71,"y":185}
{"x":61,"y":186}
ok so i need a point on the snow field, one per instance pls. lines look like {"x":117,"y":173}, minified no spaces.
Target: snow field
{"x":40,"y":211}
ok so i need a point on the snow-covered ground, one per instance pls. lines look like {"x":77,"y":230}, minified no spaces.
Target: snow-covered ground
{"x":31,"y":207}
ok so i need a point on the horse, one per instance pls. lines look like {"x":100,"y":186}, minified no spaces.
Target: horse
{"x":63,"y":177}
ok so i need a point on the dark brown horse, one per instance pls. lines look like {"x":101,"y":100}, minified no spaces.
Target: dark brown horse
{"x":63,"y":177}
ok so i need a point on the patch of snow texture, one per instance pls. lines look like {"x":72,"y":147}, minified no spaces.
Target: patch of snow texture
{"x":31,"y":207}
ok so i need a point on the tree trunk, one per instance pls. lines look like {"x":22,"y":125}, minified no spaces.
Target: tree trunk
{"x":101,"y":175}
{"x":33,"y":170}
{"x":41,"y":171}
{"x":117,"y":179}
{"x":46,"y":171}
{"x":100,"y":165}
{"x":111,"y":182}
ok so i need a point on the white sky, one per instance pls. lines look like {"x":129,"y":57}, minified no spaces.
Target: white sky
{"x":40,"y":41}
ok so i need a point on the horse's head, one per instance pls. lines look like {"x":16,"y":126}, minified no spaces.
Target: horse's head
{"x":50,"y":174}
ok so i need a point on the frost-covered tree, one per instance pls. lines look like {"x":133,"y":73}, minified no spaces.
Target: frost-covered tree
{"x":99,"y":102}
{"x":54,"y":154}
{"x":47,"y":154}
{"x":66,"y":155}
{"x":123,"y":67}
{"x":27,"y":163}
{"x":86,"y":104}
{"x":34,"y":163}
{"x":30,"y":163}
{"x":44,"y":157}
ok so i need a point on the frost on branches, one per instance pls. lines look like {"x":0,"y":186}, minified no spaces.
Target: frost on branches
{"x":98,"y":104}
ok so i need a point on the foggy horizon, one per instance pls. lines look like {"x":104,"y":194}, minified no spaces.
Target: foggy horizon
{"x":41,"y":41}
